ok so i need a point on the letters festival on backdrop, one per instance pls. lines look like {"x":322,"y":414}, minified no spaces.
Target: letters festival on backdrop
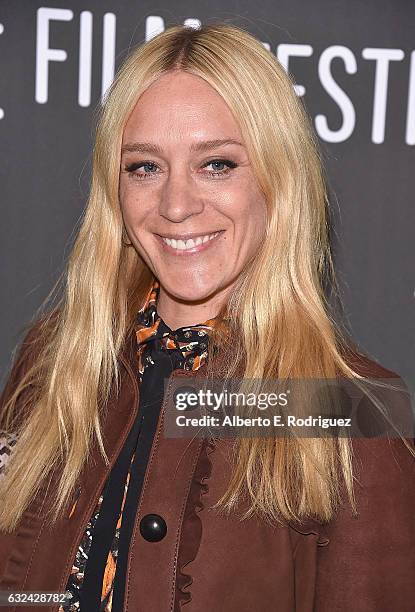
{"x":383,"y":59}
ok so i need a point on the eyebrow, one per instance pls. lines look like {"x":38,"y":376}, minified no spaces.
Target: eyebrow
{"x":205,"y":145}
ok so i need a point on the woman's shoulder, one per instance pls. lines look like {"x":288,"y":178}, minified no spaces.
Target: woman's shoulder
{"x":384,"y":464}
{"x":26,"y":352}
{"x":25,"y":355}
{"x":394,"y":394}
{"x":366,"y":365}
{"x":377,"y":452}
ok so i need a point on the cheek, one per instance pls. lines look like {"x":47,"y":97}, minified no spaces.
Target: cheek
{"x":250,"y":213}
{"x":134,"y":208}
{"x":253,"y":222}
{"x":124,"y":198}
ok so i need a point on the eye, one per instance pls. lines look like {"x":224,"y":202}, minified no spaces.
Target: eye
{"x":148,"y":167}
{"x":218,"y":168}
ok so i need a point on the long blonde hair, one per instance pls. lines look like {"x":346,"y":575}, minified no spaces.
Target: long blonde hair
{"x":278,"y":306}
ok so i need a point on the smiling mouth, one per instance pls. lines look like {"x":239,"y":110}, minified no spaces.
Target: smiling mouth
{"x":191,"y":245}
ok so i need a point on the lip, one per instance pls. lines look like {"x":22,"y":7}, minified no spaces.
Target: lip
{"x":193,"y":251}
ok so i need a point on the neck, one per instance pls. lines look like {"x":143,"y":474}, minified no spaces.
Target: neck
{"x":178,"y":313}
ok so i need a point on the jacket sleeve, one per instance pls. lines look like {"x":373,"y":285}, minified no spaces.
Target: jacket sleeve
{"x":369,"y":562}
{"x":21,"y":363}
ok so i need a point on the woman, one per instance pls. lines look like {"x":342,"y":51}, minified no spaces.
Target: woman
{"x":203,"y":249}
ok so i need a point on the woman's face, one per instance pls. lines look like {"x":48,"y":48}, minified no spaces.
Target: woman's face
{"x":185,"y":175}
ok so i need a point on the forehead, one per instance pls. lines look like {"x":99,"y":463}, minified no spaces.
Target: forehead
{"x":179,"y":105}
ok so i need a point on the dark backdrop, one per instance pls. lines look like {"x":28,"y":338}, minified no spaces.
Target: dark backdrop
{"x":354,"y":63}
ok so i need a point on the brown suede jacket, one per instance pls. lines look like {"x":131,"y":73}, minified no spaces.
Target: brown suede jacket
{"x":210,"y":562}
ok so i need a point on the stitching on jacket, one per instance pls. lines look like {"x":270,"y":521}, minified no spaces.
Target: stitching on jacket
{"x":138,"y":513}
{"x":179,"y":528}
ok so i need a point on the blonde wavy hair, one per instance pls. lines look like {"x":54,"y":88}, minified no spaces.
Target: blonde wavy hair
{"x":279,"y":306}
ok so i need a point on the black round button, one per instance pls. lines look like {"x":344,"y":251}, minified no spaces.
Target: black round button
{"x":153,"y":527}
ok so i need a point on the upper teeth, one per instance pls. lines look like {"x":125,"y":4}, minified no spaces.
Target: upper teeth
{"x":188,"y":244}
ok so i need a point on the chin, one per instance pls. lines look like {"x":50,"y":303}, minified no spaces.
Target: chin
{"x":190,"y":290}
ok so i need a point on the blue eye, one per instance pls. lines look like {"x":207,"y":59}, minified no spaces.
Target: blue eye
{"x":132,"y":168}
{"x":216,"y":164}
{"x":221,"y":167}
{"x":230,"y":165}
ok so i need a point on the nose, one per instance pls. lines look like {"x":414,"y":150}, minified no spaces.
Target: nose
{"x":180,"y":197}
